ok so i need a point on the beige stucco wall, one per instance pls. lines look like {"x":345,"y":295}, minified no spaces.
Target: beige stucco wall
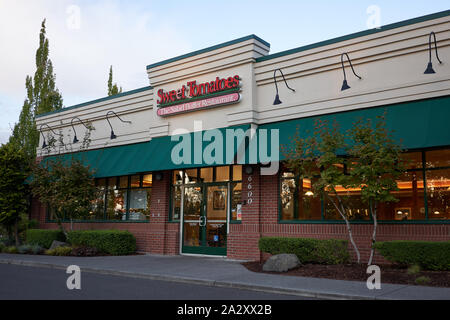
{"x":391,"y":64}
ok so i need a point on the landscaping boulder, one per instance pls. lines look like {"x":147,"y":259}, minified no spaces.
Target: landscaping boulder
{"x":56,"y":244}
{"x":281,"y":263}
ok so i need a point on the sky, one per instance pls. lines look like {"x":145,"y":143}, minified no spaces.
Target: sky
{"x":88,"y":36}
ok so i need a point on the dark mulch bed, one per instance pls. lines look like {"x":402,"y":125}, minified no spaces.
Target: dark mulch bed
{"x":355,"y":272}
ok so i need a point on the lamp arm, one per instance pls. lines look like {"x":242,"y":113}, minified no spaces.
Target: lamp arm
{"x":116,"y":116}
{"x":284,"y":79}
{"x":435,"y":46}
{"x":351,"y":65}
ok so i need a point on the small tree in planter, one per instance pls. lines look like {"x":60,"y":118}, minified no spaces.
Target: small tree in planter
{"x":320,"y":158}
{"x":371,"y":159}
{"x":377,"y":168}
{"x":65,"y":184}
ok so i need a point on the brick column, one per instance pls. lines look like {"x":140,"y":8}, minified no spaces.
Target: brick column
{"x":159,"y":208}
{"x":243,"y":238}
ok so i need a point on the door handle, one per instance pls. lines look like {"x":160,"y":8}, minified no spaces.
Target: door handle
{"x":202,"y":221}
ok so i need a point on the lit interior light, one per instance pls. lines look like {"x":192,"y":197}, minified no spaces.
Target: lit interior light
{"x":309,"y":193}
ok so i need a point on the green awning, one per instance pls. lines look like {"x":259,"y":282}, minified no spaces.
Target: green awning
{"x":154,"y":155}
{"x":415,"y":125}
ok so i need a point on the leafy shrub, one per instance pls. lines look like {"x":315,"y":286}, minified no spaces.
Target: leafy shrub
{"x":414,"y":269}
{"x":59,"y":251}
{"x":426,"y":254}
{"x":2,"y":247}
{"x":24,"y":249}
{"x":11,"y":249}
{"x":422,"y":280}
{"x":115,"y":242}
{"x":330,"y":251}
{"x":44,"y":238}
{"x":37,"y":249}
{"x":85,"y":252}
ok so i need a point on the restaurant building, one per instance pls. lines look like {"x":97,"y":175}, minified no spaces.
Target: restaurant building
{"x":191,"y":164}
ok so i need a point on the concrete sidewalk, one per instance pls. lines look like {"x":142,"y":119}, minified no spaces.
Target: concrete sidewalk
{"x":221,"y":272}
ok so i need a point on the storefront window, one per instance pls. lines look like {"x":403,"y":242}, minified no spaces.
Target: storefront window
{"x":116,"y":204}
{"x":222,"y":174}
{"x":437,"y":158}
{"x":176,"y":203}
{"x":298,"y":201}
{"x":191,"y":176}
{"x":237,"y":173}
{"x":135,"y":181}
{"x":236,"y":201}
{"x":147,"y":180}
{"x":206,"y":174}
{"x":410,"y":196}
{"x":287,"y":194}
{"x":438,"y":194}
{"x":415,"y":199}
{"x":139,"y":208}
{"x":355,"y":208}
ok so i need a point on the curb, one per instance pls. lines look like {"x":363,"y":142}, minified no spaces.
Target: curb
{"x":196,"y":281}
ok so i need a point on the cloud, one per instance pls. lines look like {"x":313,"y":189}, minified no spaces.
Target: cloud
{"x":85,"y":39}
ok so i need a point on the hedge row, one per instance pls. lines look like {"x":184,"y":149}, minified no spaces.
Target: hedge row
{"x":330,"y":251}
{"x":43,"y":238}
{"x":115,"y":242}
{"x":428,"y":255}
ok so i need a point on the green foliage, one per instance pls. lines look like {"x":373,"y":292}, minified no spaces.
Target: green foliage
{"x":2,"y":247}
{"x":59,"y":251}
{"x":42,"y":97}
{"x":377,"y":165}
{"x":66,"y":186}
{"x":423,"y":280}
{"x":115,"y":242}
{"x":330,"y":251}
{"x":13,"y":191}
{"x":24,"y":249}
{"x":428,"y":255}
{"x":414,"y":269}
{"x":113,"y":89}
{"x":11,"y":249}
{"x":44,"y":238}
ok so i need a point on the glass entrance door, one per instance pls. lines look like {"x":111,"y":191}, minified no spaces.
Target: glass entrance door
{"x":205,"y":211}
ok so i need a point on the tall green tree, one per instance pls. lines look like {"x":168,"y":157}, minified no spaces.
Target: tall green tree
{"x":42,"y":97}
{"x":113,"y":89}
{"x":13,"y":190}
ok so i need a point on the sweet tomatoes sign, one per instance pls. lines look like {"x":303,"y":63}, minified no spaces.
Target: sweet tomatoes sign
{"x":193,"y":96}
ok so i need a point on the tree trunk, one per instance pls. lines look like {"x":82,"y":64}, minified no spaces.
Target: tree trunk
{"x":373,"y":211}
{"x":16,"y":232}
{"x":349,"y":228}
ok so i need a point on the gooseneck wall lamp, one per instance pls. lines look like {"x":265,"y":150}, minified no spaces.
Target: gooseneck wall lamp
{"x":430,"y":69}
{"x":44,"y":144}
{"x":345,"y":85}
{"x":75,"y":139}
{"x":277,"y":97}
{"x":113,"y":136}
